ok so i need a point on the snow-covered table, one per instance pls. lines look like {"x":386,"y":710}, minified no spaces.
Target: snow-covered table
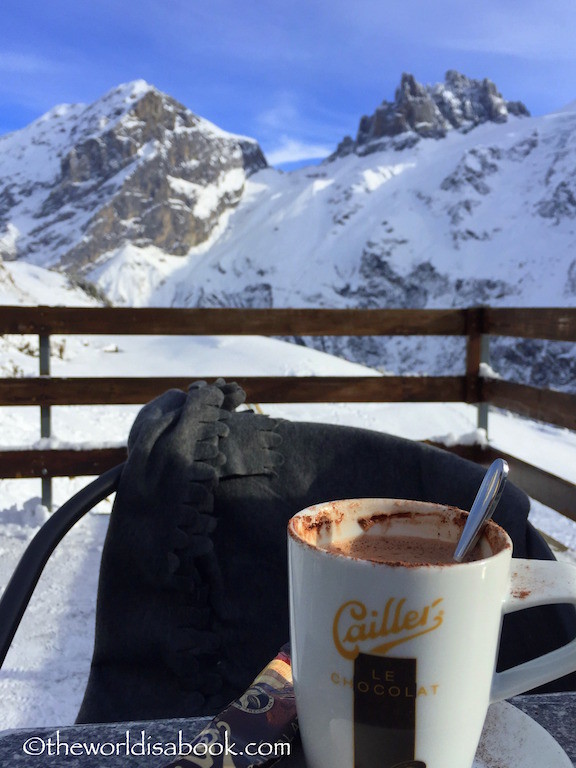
{"x":151,"y":744}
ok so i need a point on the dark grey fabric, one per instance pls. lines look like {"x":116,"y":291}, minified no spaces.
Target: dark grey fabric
{"x":192,"y":598}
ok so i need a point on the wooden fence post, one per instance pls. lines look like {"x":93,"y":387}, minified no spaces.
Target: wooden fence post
{"x":477,"y":352}
{"x":45,"y":415}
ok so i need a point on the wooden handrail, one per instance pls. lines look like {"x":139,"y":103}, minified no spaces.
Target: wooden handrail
{"x":236,"y":322}
{"x":546,"y":405}
{"x":553,"y":324}
{"x":46,"y":391}
{"x":558,"y":324}
{"x":60,"y":462}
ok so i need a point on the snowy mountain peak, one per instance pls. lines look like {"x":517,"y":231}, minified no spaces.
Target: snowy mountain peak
{"x":430,"y":111}
{"x":134,"y":166}
{"x":77,"y":121}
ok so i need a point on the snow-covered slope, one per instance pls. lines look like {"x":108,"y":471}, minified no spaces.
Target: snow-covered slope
{"x":484,"y":217}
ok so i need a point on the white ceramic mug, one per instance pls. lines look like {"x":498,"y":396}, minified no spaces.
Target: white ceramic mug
{"x":394,"y":664}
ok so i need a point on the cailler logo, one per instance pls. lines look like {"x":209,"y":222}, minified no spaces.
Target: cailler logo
{"x":354,"y":625}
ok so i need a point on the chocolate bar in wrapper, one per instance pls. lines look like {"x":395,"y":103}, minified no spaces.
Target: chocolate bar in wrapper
{"x":254,"y":730}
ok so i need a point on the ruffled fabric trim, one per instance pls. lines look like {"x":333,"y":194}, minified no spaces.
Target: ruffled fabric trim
{"x":251,"y":447}
{"x":225,"y":444}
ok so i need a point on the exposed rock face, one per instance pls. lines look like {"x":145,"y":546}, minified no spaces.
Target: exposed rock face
{"x":135,"y":166}
{"x":424,"y":111}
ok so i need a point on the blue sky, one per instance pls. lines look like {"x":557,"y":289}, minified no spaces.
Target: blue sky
{"x":297,"y":75}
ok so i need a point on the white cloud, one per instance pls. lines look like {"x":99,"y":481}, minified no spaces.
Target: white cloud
{"x":281,"y":114}
{"x":290,"y":133}
{"x":292,"y":150}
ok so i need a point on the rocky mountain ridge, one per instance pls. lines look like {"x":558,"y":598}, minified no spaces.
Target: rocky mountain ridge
{"x":430,"y":111}
{"x":135,"y":166}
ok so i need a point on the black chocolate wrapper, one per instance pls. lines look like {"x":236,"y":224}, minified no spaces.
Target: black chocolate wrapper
{"x":255,"y":730}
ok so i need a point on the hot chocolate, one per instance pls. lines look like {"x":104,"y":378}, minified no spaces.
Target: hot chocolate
{"x":398,"y":549}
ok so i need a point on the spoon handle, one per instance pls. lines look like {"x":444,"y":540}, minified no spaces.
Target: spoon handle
{"x":484,"y":505}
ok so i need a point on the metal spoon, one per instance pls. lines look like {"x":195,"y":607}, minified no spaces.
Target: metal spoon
{"x":483,"y":507}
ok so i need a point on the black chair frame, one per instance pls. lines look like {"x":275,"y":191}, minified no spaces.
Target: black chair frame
{"x":22,"y":584}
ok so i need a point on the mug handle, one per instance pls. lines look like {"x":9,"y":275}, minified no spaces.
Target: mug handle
{"x":537,"y":582}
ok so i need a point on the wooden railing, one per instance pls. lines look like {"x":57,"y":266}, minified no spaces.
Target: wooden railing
{"x":476,"y":325}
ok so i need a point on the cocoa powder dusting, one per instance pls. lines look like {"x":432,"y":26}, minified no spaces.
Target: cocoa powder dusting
{"x":521,"y":594}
